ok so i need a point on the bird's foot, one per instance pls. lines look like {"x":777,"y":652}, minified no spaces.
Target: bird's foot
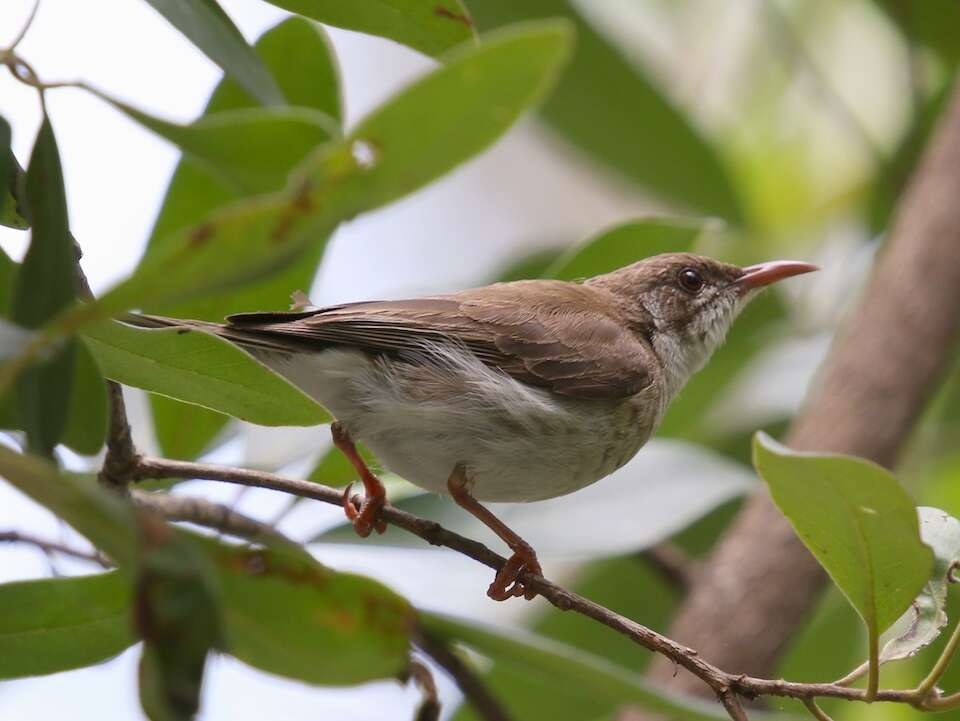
{"x":507,"y":582}
{"x":364,"y":515}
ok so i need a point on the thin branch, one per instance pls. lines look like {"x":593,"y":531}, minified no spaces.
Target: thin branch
{"x":429,"y":709}
{"x":474,"y":689}
{"x":210,"y":515}
{"x":940,"y":667}
{"x":50,"y":547}
{"x":121,"y":453}
{"x":121,"y":456}
{"x":24,"y":29}
{"x":725,"y":685}
{"x":731,"y":703}
{"x":817,"y":712}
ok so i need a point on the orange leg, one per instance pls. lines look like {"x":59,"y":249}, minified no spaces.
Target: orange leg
{"x":507,"y":583}
{"x":365,"y":516}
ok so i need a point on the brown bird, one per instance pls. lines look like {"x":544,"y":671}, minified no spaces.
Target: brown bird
{"x":513,"y":392}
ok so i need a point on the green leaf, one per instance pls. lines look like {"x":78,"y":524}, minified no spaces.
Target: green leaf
{"x":932,"y":23}
{"x":7,"y":164}
{"x":11,"y":174}
{"x":300,"y":58}
{"x":610,"y":109}
{"x":205,"y":24}
{"x":447,"y":117}
{"x":87,"y":405}
{"x":430,"y":26}
{"x":251,"y":148}
{"x":434,"y":125}
{"x":58,"y":624}
{"x":178,"y":618}
{"x":197,"y":367}
{"x":42,"y":394}
{"x":625,"y":244}
{"x":289,"y":615}
{"x":104,"y":518}
{"x":184,"y":431}
{"x":45,"y":284}
{"x":568,"y":672}
{"x":8,"y":275}
{"x":857,"y":521}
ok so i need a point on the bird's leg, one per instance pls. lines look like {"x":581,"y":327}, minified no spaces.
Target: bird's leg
{"x":506,"y":584}
{"x":366,"y":515}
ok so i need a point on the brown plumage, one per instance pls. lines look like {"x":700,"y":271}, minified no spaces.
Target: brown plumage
{"x":513,"y":392}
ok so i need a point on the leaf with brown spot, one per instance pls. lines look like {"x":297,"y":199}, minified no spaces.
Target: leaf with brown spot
{"x":423,"y":25}
{"x":284,"y":613}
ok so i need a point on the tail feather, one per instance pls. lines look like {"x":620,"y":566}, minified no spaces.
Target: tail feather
{"x":245,"y":338}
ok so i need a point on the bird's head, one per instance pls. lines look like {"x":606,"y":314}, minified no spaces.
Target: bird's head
{"x":686,"y":303}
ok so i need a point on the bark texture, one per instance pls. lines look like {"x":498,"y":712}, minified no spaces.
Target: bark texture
{"x":885,"y":364}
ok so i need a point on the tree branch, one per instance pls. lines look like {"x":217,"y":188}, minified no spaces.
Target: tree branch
{"x":726,"y":686}
{"x":884,"y":366}
{"x":54,"y":547}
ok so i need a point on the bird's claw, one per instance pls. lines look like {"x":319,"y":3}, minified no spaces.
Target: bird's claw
{"x":507,"y":582}
{"x":364,"y":515}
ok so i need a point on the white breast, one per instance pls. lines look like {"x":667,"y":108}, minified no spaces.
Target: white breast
{"x":517,"y":442}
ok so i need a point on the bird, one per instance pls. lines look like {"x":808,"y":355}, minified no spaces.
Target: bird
{"x":517,"y":391}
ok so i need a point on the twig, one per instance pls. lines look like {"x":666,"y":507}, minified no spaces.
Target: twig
{"x":24,"y":29}
{"x":121,"y":456}
{"x":724,"y":685}
{"x":50,"y":547}
{"x":733,"y":706}
{"x":673,"y":564}
{"x":121,"y":453}
{"x":940,"y":667}
{"x":818,"y":713}
{"x":429,"y":709}
{"x":476,"y":692}
{"x":210,"y":515}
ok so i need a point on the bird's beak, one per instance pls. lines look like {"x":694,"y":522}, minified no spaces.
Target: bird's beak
{"x":757,"y":276}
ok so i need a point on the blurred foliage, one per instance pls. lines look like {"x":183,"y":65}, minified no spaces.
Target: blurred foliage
{"x":266,"y":175}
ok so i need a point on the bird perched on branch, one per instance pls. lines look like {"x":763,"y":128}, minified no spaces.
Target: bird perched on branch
{"x":513,"y":392}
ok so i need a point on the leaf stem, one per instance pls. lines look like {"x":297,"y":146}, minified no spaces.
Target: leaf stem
{"x":873,"y":672}
{"x":940,"y":667}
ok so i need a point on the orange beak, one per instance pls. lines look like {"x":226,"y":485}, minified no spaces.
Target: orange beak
{"x":762,"y":274}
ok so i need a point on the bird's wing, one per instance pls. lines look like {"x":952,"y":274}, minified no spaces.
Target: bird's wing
{"x":550,"y":334}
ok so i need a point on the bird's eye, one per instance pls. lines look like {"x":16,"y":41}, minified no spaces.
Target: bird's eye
{"x":690,"y":280}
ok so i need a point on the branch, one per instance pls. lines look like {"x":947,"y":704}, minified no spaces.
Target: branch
{"x":885,"y":365}
{"x":474,"y":690}
{"x":209,"y":515}
{"x":54,"y":547}
{"x":429,"y":709}
{"x":726,"y":686}
{"x":121,"y":453}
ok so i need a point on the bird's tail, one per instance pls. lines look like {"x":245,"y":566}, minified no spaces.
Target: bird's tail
{"x":250,"y":339}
